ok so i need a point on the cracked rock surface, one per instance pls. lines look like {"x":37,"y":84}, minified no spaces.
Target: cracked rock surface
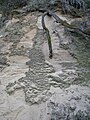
{"x":32,"y":86}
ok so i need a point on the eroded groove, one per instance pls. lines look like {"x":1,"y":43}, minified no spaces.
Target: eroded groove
{"x":48,"y":35}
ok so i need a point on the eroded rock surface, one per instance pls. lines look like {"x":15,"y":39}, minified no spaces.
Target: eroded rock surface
{"x":32,"y":86}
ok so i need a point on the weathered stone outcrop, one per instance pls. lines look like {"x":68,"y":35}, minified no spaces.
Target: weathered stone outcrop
{"x":35,"y":87}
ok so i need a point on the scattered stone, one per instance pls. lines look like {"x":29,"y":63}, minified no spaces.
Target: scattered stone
{"x":3,"y":60}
